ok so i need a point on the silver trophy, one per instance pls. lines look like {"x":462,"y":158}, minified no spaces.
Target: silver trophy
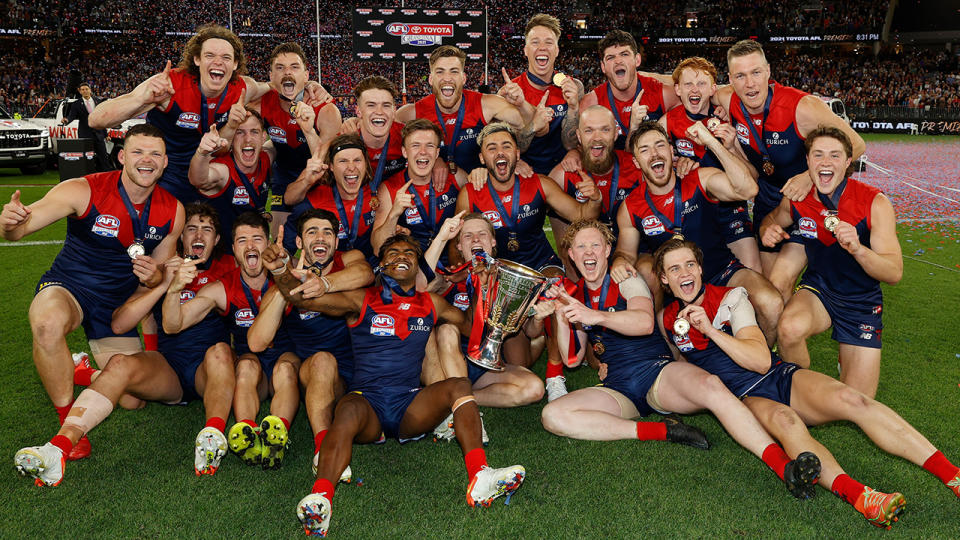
{"x":504,"y":301}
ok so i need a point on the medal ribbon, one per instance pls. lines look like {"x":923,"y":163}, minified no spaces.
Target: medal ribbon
{"x":537,"y":80}
{"x":604,"y":289}
{"x":421,"y":207}
{"x":257,"y":200}
{"x":675,"y":226}
{"x":254,"y":306}
{"x":616,"y":110}
{"x":354,"y":229}
{"x":390,"y":286}
{"x":204,"y":126}
{"x":457,"y":126}
{"x":761,"y":144}
{"x":507,"y":219}
{"x":381,"y":165}
{"x":139,"y":222}
{"x":481,"y":301}
{"x":695,"y":116}
{"x":614,"y":186}
{"x":833,"y":201}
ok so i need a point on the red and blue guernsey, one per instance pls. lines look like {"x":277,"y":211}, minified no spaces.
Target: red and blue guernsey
{"x":394,"y":161}
{"x":93,"y":263}
{"x":460,"y":129}
{"x":652,"y":98}
{"x":517,"y":215}
{"x":829,"y":265}
{"x":706,"y":354}
{"x":311,"y":331}
{"x":183,"y":123}
{"x":430,"y":209}
{"x":184,"y":351}
{"x":622,"y":179}
{"x":771,"y":136}
{"x":240,"y":194}
{"x":243,"y":305}
{"x":659,"y":217}
{"x":633,"y":362}
{"x":288,"y":139}
{"x":355,"y":227}
{"x":546,"y":151}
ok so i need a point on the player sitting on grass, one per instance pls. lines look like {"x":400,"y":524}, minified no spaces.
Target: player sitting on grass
{"x":720,"y":334}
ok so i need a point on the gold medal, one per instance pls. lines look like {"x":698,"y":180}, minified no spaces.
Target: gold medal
{"x":713,"y":123}
{"x":453,"y":167}
{"x":681,"y":326}
{"x":374,"y":203}
{"x":768,"y":167}
{"x":293,"y":109}
{"x":513,"y":245}
{"x":599,"y":349}
{"x":558,"y":78}
{"x":135,"y":250}
{"x":831,"y":222}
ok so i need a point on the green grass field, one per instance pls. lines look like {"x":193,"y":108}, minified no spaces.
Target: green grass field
{"x":139,"y":481}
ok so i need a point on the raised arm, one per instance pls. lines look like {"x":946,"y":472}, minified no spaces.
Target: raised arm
{"x":64,"y":199}
{"x":209,"y":178}
{"x":153,"y":92}
{"x":268,"y":320}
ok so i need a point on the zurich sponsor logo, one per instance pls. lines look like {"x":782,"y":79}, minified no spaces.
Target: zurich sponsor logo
{"x":188,"y":120}
{"x":807,"y":227}
{"x":776,"y":140}
{"x":416,"y":325}
{"x":243,"y":317}
{"x":382,"y":325}
{"x":106,"y":225}
{"x":652,"y":226}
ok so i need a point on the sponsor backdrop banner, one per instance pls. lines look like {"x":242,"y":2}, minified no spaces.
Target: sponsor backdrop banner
{"x":411,"y":34}
{"x":930,"y":126}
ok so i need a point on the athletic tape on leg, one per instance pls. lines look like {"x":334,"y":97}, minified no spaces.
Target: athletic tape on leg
{"x":90,"y":408}
{"x":461,"y":401}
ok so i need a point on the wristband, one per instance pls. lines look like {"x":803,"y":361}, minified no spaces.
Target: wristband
{"x":326,"y":283}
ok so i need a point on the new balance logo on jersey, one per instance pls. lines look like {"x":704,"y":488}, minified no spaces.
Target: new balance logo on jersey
{"x":382,"y":325}
{"x":106,"y":225}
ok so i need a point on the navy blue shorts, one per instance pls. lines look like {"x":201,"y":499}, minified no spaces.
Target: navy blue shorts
{"x":390,"y":404}
{"x":735,"y":220}
{"x":775,"y":385}
{"x":636,"y":381}
{"x":767,"y":199}
{"x":185,"y":366}
{"x":723,"y":277}
{"x":856,"y":321}
{"x":97,"y":307}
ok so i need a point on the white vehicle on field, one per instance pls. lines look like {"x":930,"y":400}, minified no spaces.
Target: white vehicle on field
{"x":24,"y":143}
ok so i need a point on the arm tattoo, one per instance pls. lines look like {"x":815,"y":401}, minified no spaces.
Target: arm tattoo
{"x":568,"y":129}
{"x":524,"y":138}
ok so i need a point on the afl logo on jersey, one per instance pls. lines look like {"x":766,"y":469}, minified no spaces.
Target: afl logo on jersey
{"x":307,"y":315}
{"x":106,"y":225}
{"x":807,"y":227}
{"x":685,"y":148}
{"x":413,"y":216}
{"x":652,"y":226}
{"x":683,"y":342}
{"x":243,"y":318}
{"x":188,"y":120}
{"x":581,"y":198}
{"x":240,"y":196}
{"x":461,"y":301}
{"x":382,"y":325}
{"x":186,"y":295}
{"x":493,"y":217}
{"x":277,"y":134}
{"x":743,"y":133}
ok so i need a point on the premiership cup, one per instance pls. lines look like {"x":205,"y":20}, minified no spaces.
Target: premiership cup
{"x":503,"y":302}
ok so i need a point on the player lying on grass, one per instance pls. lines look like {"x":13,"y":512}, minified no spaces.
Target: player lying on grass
{"x":390,"y":324}
{"x":640,"y":375}
{"x":715,"y":328}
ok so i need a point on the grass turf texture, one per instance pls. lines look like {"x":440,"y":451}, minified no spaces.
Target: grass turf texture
{"x":139,"y":480}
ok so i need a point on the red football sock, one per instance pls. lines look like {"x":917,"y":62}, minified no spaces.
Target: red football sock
{"x":149,"y":342}
{"x":776,"y":459}
{"x":318,"y":440}
{"x":324,"y":487}
{"x":847,"y":489}
{"x":286,"y":423}
{"x":250,"y":423}
{"x":554,"y":370}
{"x":63,"y":411}
{"x":83,"y":376}
{"x":651,"y":431}
{"x":940,"y":466}
{"x":218,"y":423}
{"x":63,"y":443}
{"x":474,"y":460}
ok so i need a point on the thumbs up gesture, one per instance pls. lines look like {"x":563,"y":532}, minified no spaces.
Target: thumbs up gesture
{"x":14,"y":213}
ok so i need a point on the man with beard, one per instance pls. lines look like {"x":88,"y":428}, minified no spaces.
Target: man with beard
{"x":171,"y":375}
{"x":236,"y":374}
{"x":640,"y":377}
{"x":848,"y":230}
{"x":720,"y":334}
{"x":630,"y":96}
{"x":376,"y":99}
{"x":519,"y":226}
{"x":236,"y":182}
{"x":666,"y":205}
{"x":120,"y":224}
{"x":525,"y":92}
{"x":460,"y":113}
{"x":612,"y":171}
{"x":772,"y":122}
{"x":322,"y":342}
{"x":184,"y":102}
{"x":695,"y":83}
{"x":389,"y":324}
{"x":345,"y":191}
{"x":409,"y":198}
